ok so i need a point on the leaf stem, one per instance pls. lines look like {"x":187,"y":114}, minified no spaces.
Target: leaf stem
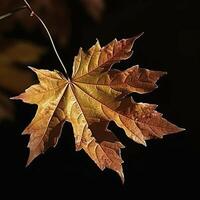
{"x":49,"y":35}
{"x":12,"y":12}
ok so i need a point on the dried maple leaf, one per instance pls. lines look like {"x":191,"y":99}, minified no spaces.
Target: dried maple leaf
{"x":94,"y":8}
{"x":94,"y":96}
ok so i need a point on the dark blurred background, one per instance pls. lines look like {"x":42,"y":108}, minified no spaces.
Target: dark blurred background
{"x":171,"y":43}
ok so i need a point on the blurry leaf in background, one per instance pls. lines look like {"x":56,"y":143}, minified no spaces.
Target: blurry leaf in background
{"x":94,"y":8}
{"x":13,"y":77}
{"x":6,"y":107}
{"x":56,"y":15}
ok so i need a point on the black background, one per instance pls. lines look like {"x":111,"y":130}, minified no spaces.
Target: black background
{"x":166,"y":167}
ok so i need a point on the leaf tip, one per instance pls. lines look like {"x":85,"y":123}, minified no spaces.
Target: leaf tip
{"x":176,"y":129}
{"x":121,"y":174}
{"x":27,"y":164}
{"x":24,"y":133}
{"x":19,"y":97}
{"x":142,"y":141}
{"x":97,"y":41}
{"x":78,"y":146}
{"x":145,"y":144}
{"x":179,"y":129}
{"x":15,"y":98}
{"x":139,"y":35}
{"x":29,"y":161}
{"x":163,"y":73}
{"x":32,"y":68}
{"x":31,"y":157}
{"x":135,"y":37}
{"x":80,"y":50}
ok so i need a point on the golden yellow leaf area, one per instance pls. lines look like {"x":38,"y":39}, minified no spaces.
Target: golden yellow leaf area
{"x":94,"y":96}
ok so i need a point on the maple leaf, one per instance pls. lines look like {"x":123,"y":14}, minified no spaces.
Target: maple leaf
{"x":6,"y":108}
{"x":94,"y":96}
